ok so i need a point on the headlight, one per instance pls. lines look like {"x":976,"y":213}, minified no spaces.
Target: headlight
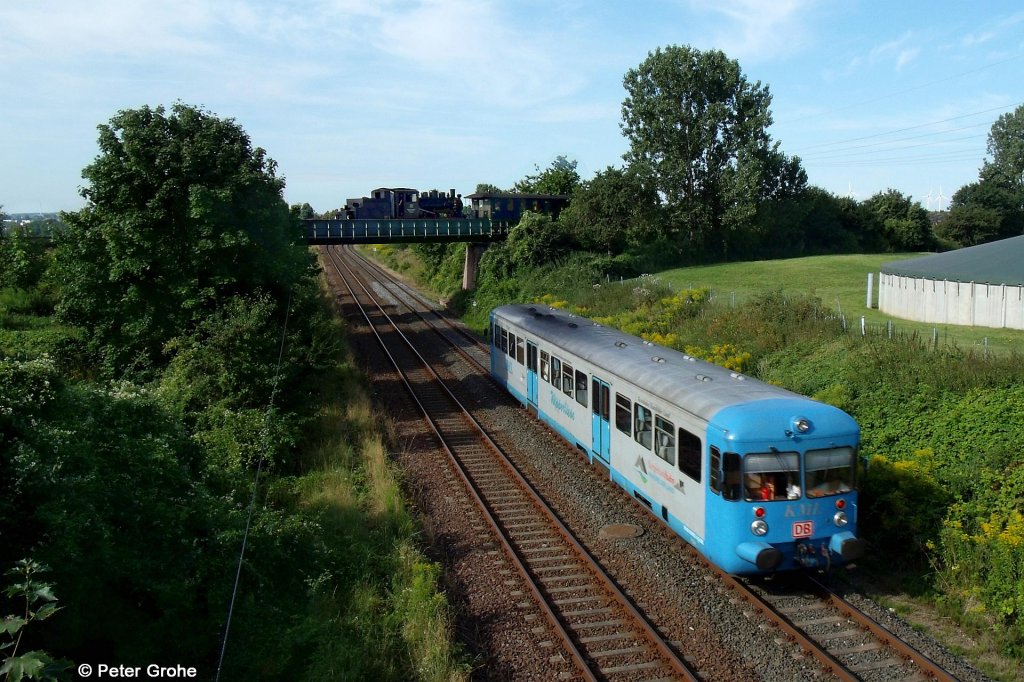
{"x":840,"y":519}
{"x":759,"y":527}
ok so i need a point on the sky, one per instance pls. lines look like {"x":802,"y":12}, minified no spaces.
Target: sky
{"x":350,"y":95}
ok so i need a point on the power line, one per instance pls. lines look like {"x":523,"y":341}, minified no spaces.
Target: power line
{"x":913,"y":137}
{"x":914,"y":127}
{"x":851,"y":153}
{"x":901,"y":160}
{"x":904,"y":91}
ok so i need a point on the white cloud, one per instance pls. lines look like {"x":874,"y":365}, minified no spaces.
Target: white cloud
{"x":907,"y":56}
{"x":758,"y":30}
{"x":476,"y":46}
{"x":898,"y":52}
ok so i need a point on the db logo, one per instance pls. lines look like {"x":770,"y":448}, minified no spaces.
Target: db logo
{"x":803,"y":529}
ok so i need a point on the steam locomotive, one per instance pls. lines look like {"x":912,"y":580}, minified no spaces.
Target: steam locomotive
{"x":403,"y":202}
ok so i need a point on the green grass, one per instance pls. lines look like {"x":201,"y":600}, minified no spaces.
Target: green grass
{"x":841,"y":284}
{"x":388,"y":619}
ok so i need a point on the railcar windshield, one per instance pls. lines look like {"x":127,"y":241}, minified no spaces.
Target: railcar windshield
{"x":771,"y":476}
{"x":829,"y":472}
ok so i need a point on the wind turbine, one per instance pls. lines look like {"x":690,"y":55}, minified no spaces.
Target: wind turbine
{"x":929,"y":198}
{"x":850,"y":194}
{"x":941,"y":198}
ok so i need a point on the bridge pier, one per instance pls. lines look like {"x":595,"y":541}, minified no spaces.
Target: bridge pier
{"x":473,"y":254}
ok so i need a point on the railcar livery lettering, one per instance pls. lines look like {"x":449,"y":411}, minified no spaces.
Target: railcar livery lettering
{"x":561,"y":406}
{"x":661,"y":476}
{"x":799,"y":510}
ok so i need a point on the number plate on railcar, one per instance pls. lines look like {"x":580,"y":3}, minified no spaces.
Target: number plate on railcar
{"x":803,"y":529}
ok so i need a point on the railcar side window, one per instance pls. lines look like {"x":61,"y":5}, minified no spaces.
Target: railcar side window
{"x":581,"y":388}
{"x":556,"y":372}
{"x":531,"y":357}
{"x":642,"y":425}
{"x":510,"y":348}
{"x":501,"y":335}
{"x":689,"y":454}
{"x":731,"y":474}
{"x":664,"y":440}
{"x":829,"y":472}
{"x":521,"y":350}
{"x":623,"y":412}
{"x":771,"y":476}
{"x":605,"y":402}
{"x":567,"y":379}
{"x":544,"y":366}
{"x":715,"y":474}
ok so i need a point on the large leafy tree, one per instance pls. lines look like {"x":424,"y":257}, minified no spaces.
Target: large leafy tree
{"x":698,"y":129}
{"x":181,"y":211}
{"x":612,"y":211}
{"x":895,"y":222}
{"x":984,"y":211}
{"x":1006,"y":146}
{"x":993,"y":207}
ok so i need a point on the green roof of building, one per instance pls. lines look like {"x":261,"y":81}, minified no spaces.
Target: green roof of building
{"x":1000,"y":262}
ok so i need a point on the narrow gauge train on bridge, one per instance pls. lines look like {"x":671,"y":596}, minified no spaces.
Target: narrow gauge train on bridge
{"x":397,"y":203}
{"x":755,"y":477}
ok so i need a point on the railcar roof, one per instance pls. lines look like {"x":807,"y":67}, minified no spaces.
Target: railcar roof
{"x":704,"y":388}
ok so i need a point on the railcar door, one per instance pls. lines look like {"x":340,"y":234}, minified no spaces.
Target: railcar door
{"x":600,"y":414}
{"x":531,"y":373}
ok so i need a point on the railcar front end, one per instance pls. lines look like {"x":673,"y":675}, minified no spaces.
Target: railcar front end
{"x":783,"y":487}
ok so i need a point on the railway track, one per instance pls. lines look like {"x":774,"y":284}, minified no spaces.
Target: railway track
{"x":466,"y":344}
{"x":600,"y":632}
{"x":845,"y":643}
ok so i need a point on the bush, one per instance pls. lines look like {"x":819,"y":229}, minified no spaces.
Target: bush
{"x":901,"y":509}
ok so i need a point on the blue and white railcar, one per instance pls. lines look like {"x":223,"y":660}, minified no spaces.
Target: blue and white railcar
{"x":757,"y":478}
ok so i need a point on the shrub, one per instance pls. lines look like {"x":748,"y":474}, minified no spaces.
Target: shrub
{"x":901,"y":508}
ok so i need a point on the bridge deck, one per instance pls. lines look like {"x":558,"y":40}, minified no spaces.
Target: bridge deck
{"x":404,"y":230}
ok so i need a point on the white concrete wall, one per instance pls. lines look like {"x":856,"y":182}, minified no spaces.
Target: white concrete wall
{"x":942,"y":302}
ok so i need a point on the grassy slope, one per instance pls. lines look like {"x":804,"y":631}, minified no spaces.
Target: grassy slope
{"x":841,"y":284}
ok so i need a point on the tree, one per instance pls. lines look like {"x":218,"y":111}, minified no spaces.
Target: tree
{"x":23,"y":257}
{"x":698,"y":130}
{"x":536,"y":240}
{"x":303,"y":211}
{"x":487,"y":188}
{"x":611,"y":211}
{"x":984,"y":211}
{"x":970,"y":225}
{"x":904,"y":223}
{"x":181,"y":211}
{"x":827,"y":224}
{"x":993,"y":207}
{"x":559,"y":178}
{"x":1006,"y":145}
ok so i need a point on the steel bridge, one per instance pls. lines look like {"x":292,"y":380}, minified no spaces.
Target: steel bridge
{"x":405,"y":230}
{"x":479,"y":232}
